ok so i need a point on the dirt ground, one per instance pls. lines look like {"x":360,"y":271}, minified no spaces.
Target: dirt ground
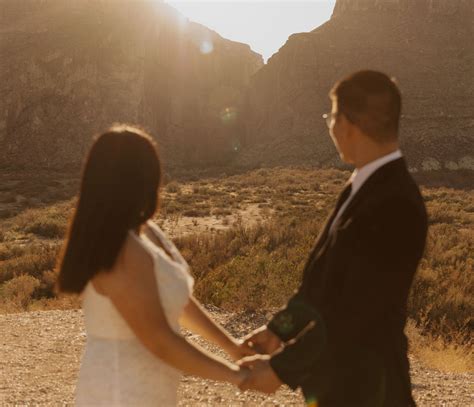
{"x":40,"y":354}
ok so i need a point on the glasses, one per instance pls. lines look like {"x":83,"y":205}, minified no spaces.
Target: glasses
{"x":329,"y":117}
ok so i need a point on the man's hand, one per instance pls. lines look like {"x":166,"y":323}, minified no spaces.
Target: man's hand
{"x":262,"y":340}
{"x":261,"y":377}
{"x":240,"y":349}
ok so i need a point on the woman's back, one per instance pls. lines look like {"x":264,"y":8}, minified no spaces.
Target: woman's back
{"x":116,"y":367}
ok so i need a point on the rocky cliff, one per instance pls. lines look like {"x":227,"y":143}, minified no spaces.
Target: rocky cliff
{"x":427,"y":7}
{"x":70,"y":68}
{"x":425,"y":44}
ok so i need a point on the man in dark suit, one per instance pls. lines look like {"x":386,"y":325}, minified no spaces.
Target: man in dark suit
{"x":341,"y":337}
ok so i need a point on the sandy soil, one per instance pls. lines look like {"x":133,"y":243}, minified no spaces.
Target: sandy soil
{"x":178,"y":226}
{"x":40,"y":354}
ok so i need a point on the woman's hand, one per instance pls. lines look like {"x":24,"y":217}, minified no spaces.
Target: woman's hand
{"x":197,"y":320}
{"x":239,"y":349}
{"x":239,"y":375}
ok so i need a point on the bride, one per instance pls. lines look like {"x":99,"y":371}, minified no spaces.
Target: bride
{"x":136,"y":286}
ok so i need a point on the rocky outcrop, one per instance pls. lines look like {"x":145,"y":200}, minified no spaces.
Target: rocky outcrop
{"x":428,"y":7}
{"x":70,"y":68}
{"x":425,"y":44}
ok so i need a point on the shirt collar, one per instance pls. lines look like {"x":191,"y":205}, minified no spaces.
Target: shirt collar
{"x":359,"y":176}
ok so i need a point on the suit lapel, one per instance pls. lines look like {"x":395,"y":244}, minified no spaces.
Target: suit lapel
{"x":323,"y":235}
{"x":365,"y":191}
{"x":370,"y":185}
{"x":325,"y":230}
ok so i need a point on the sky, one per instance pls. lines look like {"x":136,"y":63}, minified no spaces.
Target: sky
{"x":265,"y":24}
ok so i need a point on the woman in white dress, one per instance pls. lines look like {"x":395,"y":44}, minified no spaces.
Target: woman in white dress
{"x":136,"y":286}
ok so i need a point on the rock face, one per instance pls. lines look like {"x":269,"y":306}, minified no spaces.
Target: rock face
{"x":425,"y":44}
{"x":429,"y":7}
{"x":70,"y":68}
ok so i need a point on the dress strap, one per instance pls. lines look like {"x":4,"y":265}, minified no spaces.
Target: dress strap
{"x":163,"y":239}
{"x":142,"y":243}
{"x":166,"y":242}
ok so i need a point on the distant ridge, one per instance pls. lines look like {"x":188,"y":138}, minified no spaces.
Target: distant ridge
{"x":70,"y":68}
{"x":425,"y":44}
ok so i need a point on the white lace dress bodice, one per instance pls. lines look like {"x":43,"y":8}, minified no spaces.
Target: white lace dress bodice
{"x":116,"y":369}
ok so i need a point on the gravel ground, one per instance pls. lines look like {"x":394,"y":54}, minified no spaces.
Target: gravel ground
{"x":40,"y":355}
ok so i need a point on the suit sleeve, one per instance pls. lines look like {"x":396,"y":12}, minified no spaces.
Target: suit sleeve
{"x":382,"y":264}
{"x":291,"y":320}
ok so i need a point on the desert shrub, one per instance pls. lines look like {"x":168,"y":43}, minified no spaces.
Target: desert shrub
{"x":185,"y":199}
{"x":33,"y":261}
{"x":9,"y":251}
{"x":221,"y":212}
{"x":441,"y":298}
{"x":259,"y":266}
{"x":50,"y":222}
{"x":173,"y":187}
{"x":19,"y":290}
{"x":197,"y":212}
{"x":170,"y":207}
{"x":10,"y":198}
{"x":5,"y":213}
{"x":48,"y":228}
{"x":204,"y":191}
{"x":228,"y":259}
{"x":437,"y":353}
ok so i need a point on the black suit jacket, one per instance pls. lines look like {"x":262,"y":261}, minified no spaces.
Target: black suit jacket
{"x":345,"y":324}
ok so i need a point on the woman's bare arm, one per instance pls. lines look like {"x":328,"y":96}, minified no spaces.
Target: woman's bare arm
{"x":132,"y":288}
{"x":196,"y":319}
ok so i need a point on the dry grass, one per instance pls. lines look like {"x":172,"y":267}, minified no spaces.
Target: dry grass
{"x":258,"y":265}
{"x":448,"y":356}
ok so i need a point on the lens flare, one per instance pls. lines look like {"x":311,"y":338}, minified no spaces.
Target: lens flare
{"x":236,"y":145}
{"x":228,"y":115}
{"x":312,"y":401}
{"x":206,"y":47}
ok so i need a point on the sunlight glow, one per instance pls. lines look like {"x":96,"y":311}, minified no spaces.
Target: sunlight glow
{"x":182,"y":21}
{"x":265,"y":25}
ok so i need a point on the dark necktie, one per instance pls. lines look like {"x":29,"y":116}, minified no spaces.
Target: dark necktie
{"x":343,"y":196}
{"x":346,"y":192}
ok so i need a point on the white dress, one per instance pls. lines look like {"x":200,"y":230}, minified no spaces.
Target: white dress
{"x":116,"y":369}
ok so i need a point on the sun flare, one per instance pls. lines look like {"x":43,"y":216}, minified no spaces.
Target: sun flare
{"x":264,"y":25}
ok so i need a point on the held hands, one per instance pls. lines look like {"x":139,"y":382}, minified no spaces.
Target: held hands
{"x":261,"y":376}
{"x":263,"y":341}
{"x":253,"y":353}
{"x":239,"y":375}
{"x":239,"y":349}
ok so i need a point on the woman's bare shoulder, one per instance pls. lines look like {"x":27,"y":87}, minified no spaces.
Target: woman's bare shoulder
{"x":132,"y":260}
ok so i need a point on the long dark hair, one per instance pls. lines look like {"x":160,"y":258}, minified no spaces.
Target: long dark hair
{"x":119,"y":191}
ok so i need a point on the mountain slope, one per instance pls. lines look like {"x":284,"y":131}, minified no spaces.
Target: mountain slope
{"x":426,"y":45}
{"x":69,"y":69}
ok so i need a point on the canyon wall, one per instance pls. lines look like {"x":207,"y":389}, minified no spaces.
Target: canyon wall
{"x":426,"y":45}
{"x":68,"y":69}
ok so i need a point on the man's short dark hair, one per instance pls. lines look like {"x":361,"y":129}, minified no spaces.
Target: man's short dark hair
{"x":372,"y":101}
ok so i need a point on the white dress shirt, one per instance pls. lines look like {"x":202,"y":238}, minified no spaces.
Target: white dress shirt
{"x":359,"y":176}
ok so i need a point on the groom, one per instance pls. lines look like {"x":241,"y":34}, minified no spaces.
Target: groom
{"x":340,"y":337}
